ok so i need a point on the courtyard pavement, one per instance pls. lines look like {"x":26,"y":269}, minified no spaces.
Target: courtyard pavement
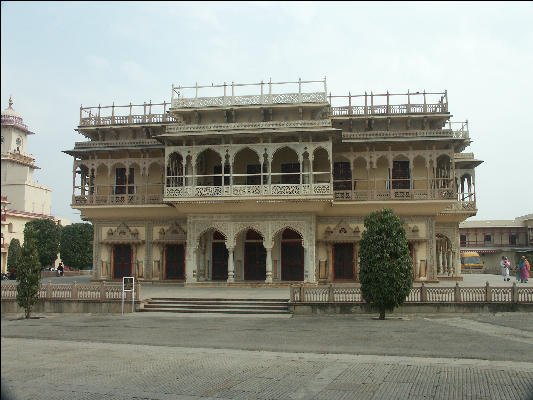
{"x":173,"y":356}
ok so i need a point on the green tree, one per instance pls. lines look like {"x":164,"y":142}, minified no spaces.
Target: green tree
{"x":14,"y":253}
{"x":76,"y":248}
{"x":47,"y":237}
{"x":28,"y":273}
{"x":385,"y":274}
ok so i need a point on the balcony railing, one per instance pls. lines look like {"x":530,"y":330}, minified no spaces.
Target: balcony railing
{"x":12,"y":120}
{"x":230,"y":98}
{"x":455,"y":134}
{"x":249,"y":125}
{"x":118,"y":195}
{"x":117,"y":143}
{"x":130,"y":114}
{"x":365,"y":104}
{"x":492,"y":244}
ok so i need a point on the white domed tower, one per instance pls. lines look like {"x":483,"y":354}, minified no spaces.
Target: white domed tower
{"x":17,"y":167}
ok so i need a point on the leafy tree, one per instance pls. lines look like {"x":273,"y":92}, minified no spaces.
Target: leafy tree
{"x":47,"y":236}
{"x":28,"y":273}
{"x":14,"y":253}
{"x":385,"y":275}
{"x":76,"y":248}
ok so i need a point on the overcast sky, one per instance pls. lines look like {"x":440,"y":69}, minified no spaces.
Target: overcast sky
{"x":56,"y":56}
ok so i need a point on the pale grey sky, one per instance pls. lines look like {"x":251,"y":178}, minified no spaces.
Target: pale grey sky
{"x":56,"y":56}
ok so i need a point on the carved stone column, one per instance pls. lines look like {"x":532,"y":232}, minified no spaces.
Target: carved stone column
{"x":268,"y":265}
{"x":191,"y":265}
{"x":231,"y":266}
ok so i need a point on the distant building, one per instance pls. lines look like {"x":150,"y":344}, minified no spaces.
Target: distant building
{"x":22,"y":199}
{"x":257,"y":183}
{"x":493,"y":239}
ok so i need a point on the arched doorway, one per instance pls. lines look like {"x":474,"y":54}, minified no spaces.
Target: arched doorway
{"x":175,"y":261}
{"x":292,"y":256}
{"x":254,"y":257}
{"x":219,"y":257}
{"x":122,"y":255}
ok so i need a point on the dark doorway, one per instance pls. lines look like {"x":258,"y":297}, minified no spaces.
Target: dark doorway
{"x":254,"y":257}
{"x":343,"y":256}
{"x":122,"y":255}
{"x":175,"y":262}
{"x":219,"y":254}
{"x":292,"y":170}
{"x":292,"y":256}
{"x":120,"y":181}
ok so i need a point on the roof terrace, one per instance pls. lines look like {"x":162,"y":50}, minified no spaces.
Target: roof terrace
{"x":388,"y":104}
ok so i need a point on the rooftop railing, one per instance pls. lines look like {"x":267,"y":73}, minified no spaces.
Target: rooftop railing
{"x":389,"y":104}
{"x":131,"y":114}
{"x":230,"y":98}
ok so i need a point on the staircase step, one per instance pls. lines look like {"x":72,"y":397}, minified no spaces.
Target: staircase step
{"x":199,"y":307}
{"x":218,"y":303}
{"x":213,"y":299}
{"x":236,"y":311}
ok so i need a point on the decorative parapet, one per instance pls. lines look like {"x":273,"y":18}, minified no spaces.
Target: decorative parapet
{"x":19,"y":157}
{"x":264,"y":97}
{"x":422,"y":294}
{"x":322,"y":123}
{"x":250,"y":100}
{"x":411,"y":133}
{"x":468,"y":207}
{"x":131,"y":114}
{"x":12,"y":120}
{"x":289,"y":190}
{"x":116,"y":143}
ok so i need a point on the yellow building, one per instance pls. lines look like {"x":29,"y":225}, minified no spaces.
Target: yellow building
{"x":22,"y":198}
{"x":270,"y":182}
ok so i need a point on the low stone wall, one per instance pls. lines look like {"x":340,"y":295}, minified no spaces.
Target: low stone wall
{"x":412,"y":308}
{"x":51,"y":274}
{"x":70,"y":306}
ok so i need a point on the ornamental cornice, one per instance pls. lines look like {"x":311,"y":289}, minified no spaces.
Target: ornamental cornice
{"x":178,"y":128}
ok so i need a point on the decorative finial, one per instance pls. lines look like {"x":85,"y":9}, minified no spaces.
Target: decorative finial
{"x":10,"y":101}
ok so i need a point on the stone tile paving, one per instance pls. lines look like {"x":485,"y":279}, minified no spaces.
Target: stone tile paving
{"x":54,"y":369}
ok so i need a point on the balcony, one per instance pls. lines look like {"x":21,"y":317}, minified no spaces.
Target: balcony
{"x":101,"y":195}
{"x":116,"y":143}
{"x":230,"y":98}
{"x":421,"y":133}
{"x":366,"y":104}
{"x":392,"y":190}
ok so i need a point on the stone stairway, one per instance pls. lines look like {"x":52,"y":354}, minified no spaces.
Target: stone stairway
{"x":225,"y":306}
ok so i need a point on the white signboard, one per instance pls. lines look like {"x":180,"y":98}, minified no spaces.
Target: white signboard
{"x":128,"y":285}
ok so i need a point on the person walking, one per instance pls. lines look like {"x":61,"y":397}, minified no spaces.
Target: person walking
{"x":502,"y":267}
{"x":524,"y":270}
{"x":506,"y":266}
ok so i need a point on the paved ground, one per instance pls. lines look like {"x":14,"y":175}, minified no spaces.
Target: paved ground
{"x":169,"y":356}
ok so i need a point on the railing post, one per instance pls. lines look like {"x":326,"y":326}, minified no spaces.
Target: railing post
{"x":366,"y":104}
{"x":425,"y":104}
{"x":372,"y":103}
{"x":270,"y":91}
{"x":49,"y":290}
{"x":514,"y":294}
{"x":74,"y":295}
{"x":488,"y":293}
{"x":408,"y":101}
{"x":349,"y":103}
{"x":299,"y":90}
{"x":81,"y":112}
{"x":331,"y":294}
{"x":446,"y":97}
{"x":102,"y":291}
{"x":457,"y":293}
{"x":302,"y":293}
{"x":388,"y":106}
{"x":99,"y":114}
{"x":138,"y":291}
{"x":113,"y":113}
{"x":291,"y":294}
{"x":164,"y":111}
{"x":130,"y":117}
{"x":326,"y":90}
{"x":423,"y":293}
{"x":232,"y":92}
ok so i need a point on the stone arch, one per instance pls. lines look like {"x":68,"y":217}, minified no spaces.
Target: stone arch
{"x":207,"y":162}
{"x":298,"y":229}
{"x":289,"y":156}
{"x":321,"y":165}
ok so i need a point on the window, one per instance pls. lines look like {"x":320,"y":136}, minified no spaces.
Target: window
{"x":487,"y":239}
{"x":512,"y":238}
{"x":217,"y":170}
{"x":401,"y":175}
{"x":463,"y":240}
{"x":342,"y":176}
{"x":292,"y":170}
{"x":254,"y":174}
{"x":120,"y":181}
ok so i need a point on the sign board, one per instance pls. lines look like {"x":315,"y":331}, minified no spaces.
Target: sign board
{"x":128,"y":285}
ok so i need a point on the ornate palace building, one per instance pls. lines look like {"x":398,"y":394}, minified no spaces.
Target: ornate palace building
{"x":270,"y":182}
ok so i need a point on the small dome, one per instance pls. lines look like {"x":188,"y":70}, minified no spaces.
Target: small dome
{"x":10,"y":112}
